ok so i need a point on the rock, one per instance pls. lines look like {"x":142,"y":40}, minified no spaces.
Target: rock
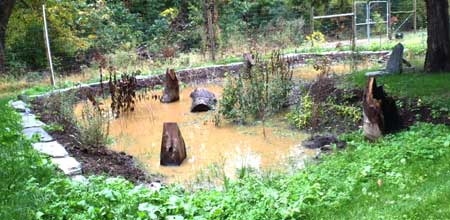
{"x":68,"y":165}
{"x":173,"y":149}
{"x":30,"y":121}
{"x":44,"y":136}
{"x":53,"y":149}
{"x":326,"y":148}
{"x":324,"y":142}
{"x":395,"y":61}
{"x":203,"y":100}
{"x":79,"y":179}
{"x":155,"y":186}
{"x":19,"y":106}
{"x":376,"y":73}
{"x":171,"y":91}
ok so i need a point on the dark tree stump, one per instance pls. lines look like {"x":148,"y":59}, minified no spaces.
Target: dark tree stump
{"x":171,"y":91}
{"x":394,"y":64}
{"x":203,"y":100}
{"x":380,"y":112}
{"x":173,"y":149}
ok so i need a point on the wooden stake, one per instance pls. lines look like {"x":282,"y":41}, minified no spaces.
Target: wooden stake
{"x":47,"y":44}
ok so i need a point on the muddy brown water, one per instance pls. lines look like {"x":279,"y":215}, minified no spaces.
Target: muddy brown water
{"x":228,"y":146}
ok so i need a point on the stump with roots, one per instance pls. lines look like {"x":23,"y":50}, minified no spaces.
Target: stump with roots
{"x":171,"y":91}
{"x":173,"y":149}
{"x":380,"y":112}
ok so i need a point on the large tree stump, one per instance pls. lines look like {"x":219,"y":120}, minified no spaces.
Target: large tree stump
{"x":380,"y":112}
{"x":202,"y":100}
{"x":173,"y":149}
{"x":171,"y":91}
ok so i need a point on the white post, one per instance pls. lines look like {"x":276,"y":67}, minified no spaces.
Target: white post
{"x":47,"y":44}
{"x":388,"y":19}
{"x":368,"y":22}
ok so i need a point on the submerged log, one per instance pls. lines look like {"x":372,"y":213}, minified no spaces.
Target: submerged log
{"x":203,"y":100}
{"x":380,"y":112}
{"x":171,"y":91}
{"x":173,"y":149}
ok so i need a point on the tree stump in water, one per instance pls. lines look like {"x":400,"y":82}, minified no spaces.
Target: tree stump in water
{"x":380,"y":112}
{"x":202,"y":100}
{"x":173,"y":149}
{"x":171,"y":91}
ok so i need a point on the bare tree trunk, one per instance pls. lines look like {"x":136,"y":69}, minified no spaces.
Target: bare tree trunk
{"x":438,"y":51}
{"x":6,"y":7}
{"x":211,"y":17}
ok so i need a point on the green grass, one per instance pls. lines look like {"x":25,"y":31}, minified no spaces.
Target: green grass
{"x":433,"y":89}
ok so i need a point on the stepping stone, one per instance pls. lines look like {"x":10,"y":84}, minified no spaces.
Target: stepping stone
{"x":68,"y":165}
{"x":44,"y":136}
{"x":79,"y":179}
{"x":20,"y":106}
{"x":376,"y":73}
{"x":30,"y":121}
{"x":53,"y":149}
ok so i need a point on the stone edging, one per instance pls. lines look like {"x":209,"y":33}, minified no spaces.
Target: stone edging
{"x":47,"y":144}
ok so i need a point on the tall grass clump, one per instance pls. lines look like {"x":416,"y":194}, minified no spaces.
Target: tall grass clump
{"x":93,"y":126}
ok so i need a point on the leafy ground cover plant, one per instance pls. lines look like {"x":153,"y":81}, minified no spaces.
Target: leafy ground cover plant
{"x":393,"y":171}
{"x":20,"y":166}
{"x":323,"y":104}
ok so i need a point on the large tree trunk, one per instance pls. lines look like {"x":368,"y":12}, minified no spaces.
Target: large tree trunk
{"x":6,"y":7}
{"x":438,"y":51}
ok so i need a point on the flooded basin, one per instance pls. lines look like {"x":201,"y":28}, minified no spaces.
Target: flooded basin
{"x":230,"y":146}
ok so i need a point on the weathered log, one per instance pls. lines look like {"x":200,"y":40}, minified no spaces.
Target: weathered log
{"x":203,"y":100}
{"x":173,"y":149}
{"x":380,"y":112}
{"x":171,"y":91}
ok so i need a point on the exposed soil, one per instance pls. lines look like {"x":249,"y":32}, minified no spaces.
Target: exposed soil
{"x":94,"y":161}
